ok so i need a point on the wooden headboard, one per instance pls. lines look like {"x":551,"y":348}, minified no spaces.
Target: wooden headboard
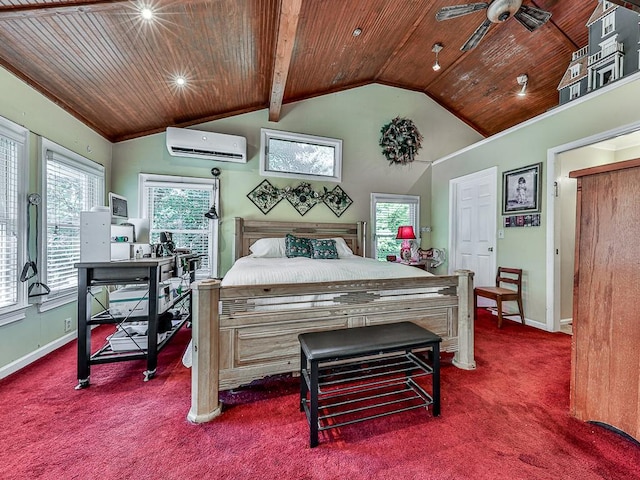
{"x":248,"y":231}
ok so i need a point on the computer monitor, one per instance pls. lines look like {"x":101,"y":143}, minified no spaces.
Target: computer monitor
{"x":118,"y":207}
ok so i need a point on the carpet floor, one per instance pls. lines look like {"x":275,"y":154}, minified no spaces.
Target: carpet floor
{"x":508,"y":419}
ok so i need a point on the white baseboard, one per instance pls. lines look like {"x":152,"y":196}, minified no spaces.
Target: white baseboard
{"x":527,"y":321}
{"x":36,"y":354}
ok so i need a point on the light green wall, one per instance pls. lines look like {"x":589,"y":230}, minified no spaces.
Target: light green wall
{"x":608,"y":109}
{"x":355,"y":116}
{"x":567,"y":162}
{"x":23,"y":105}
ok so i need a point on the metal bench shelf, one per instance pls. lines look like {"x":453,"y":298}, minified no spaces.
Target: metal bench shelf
{"x":354,"y":375}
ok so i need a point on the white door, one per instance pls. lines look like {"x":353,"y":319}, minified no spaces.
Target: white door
{"x":473,"y":220}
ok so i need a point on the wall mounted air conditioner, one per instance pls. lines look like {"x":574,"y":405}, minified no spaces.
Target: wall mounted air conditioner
{"x":184,"y":142}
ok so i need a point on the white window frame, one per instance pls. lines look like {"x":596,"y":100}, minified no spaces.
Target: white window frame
{"x":146,"y":180}
{"x":82,"y":164}
{"x":574,"y":91}
{"x":575,"y":70}
{"x":608,"y":24}
{"x":392,"y":198}
{"x":266,"y":135}
{"x":14,"y":132}
{"x":603,"y":71}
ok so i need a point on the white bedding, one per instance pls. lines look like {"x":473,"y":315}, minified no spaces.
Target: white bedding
{"x":266,"y":271}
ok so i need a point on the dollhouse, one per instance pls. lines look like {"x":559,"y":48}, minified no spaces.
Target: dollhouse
{"x":613,"y":51}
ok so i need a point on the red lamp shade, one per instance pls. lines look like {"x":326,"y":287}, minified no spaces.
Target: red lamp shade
{"x":406,"y":233}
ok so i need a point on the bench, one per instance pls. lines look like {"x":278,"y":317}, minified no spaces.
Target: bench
{"x":358,"y":374}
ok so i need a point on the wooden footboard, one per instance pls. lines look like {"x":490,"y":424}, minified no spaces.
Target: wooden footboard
{"x":241,"y":334}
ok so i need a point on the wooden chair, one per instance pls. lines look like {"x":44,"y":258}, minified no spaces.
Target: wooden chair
{"x":511,"y":276}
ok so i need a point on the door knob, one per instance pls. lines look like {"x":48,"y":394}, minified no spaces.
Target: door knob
{"x":490,"y":249}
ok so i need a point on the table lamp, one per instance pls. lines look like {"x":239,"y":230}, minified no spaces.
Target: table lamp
{"x":406,"y":234}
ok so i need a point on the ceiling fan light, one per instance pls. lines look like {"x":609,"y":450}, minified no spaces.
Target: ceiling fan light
{"x":523,"y":81}
{"x":436,"y":66}
{"x":501,"y":10}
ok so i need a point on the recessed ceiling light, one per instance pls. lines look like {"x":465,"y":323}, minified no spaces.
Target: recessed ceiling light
{"x":357,"y":32}
{"x":180,"y":81}
{"x":146,"y":13}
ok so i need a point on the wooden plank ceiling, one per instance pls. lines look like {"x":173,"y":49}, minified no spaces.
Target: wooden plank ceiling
{"x":116,"y":72}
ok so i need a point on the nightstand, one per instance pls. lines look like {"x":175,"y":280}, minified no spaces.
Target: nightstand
{"x":420,"y":264}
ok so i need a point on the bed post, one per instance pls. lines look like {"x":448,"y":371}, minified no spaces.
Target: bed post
{"x":464,"y":358}
{"x":237,"y":238}
{"x":205,"y":369}
{"x":362,"y":238}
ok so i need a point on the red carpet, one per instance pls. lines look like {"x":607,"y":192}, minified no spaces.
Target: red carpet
{"x":508,"y":419}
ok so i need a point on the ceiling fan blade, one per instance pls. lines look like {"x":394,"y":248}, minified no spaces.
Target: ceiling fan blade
{"x":478,"y":35}
{"x":454,"y":11}
{"x":532,"y":18}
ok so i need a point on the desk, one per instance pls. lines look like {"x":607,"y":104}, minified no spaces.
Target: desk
{"x":149,"y":271}
{"x":336,"y":377}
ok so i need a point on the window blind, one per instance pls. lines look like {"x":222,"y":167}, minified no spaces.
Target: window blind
{"x":9,"y":233}
{"x":73,"y":184}
{"x":180,"y":209}
{"x":390,"y":212}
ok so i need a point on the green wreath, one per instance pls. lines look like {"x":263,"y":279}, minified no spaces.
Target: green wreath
{"x":400,"y":141}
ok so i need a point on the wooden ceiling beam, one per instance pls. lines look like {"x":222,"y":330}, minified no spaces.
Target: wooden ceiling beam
{"x":285,"y":41}
{"x":560,"y":33}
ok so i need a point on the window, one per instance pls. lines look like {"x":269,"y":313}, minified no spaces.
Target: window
{"x":388,"y":213}
{"x":294,"y":155}
{"x":71,"y":184}
{"x":606,"y":76}
{"x":608,"y":24}
{"x":574,"y":91}
{"x":575,"y":70}
{"x":13,"y":177}
{"x":177,"y":205}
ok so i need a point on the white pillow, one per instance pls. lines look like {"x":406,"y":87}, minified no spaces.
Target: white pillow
{"x":268,"y":248}
{"x":342,"y":247}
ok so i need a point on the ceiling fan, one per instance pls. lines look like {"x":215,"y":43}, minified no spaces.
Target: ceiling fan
{"x":498,"y":11}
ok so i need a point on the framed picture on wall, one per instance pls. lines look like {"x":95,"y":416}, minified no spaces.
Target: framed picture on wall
{"x":521,"y":192}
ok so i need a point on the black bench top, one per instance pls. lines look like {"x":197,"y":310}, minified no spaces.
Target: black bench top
{"x":358,"y":341}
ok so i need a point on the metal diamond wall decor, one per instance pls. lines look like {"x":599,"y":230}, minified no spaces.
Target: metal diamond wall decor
{"x":303,"y":198}
{"x":265,"y":196}
{"x":337,"y":200}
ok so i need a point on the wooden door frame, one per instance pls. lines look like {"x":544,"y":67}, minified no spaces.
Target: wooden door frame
{"x":553,"y":260}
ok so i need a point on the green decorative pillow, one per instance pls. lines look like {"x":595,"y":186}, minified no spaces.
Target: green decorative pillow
{"x":297,"y":246}
{"x":323,"y":248}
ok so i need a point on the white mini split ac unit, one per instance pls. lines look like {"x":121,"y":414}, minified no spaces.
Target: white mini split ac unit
{"x":184,"y":142}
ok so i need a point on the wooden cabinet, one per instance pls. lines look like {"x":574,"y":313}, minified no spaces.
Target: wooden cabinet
{"x":605,"y":363}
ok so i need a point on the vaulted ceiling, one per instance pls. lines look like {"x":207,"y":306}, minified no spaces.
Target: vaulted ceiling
{"x":116,"y":72}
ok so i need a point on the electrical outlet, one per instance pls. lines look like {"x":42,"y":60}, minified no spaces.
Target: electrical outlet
{"x":68,"y":325}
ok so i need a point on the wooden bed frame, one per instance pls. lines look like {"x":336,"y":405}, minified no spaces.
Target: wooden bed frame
{"x":235,"y":343}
